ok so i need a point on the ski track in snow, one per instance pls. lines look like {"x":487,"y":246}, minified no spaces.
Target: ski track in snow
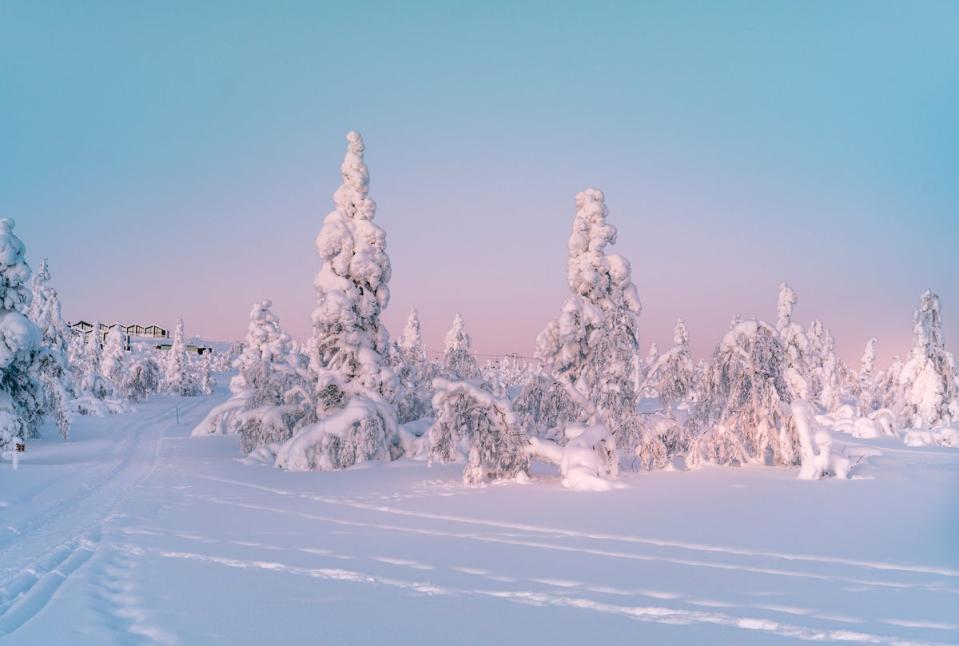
{"x":123,"y":516}
{"x":656,"y":614}
{"x":876,"y":565}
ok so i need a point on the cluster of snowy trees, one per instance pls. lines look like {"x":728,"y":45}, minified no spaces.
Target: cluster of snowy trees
{"x":590,"y":403}
{"x":48,"y":371}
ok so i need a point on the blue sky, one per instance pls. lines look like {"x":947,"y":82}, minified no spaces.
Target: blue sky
{"x":177,"y":159}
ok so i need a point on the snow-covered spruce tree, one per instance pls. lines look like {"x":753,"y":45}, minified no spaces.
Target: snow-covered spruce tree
{"x":591,"y":347}
{"x":927,"y":381}
{"x":674,"y":368}
{"x":868,"y":401}
{"x":888,"y":391}
{"x":413,"y":373}
{"x":113,"y":361}
{"x":743,"y":414}
{"x":458,"y":360}
{"x":472,"y":423}
{"x":824,"y":367}
{"x":257,"y":409}
{"x":178,"y":377}
{"x":52,"y":366}
{"x":348,"y":417}
{"x":21,"y":406}
{"x":795,"y":344}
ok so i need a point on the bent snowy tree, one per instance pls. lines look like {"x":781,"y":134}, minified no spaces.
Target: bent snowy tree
{"x":473,"y":424}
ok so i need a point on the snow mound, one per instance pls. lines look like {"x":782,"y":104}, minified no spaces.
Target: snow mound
{"x":820,"y":458}
{"x":948,"y":436}
{"x":588,"y":460}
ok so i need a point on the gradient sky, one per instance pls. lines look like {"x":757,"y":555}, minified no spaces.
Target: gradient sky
{"x":178,"y":158}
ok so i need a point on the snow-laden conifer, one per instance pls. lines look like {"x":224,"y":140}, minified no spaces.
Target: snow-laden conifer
{"x":591,"y":347}
{"x":673,"y":372}
{"x":257,"y":409}
{"x":742,"y":414}
{"x":113,"y":361}
{"x":178,"y":376}
{"x":21,"y":406}
{"x":414,"y":372}
{"x":928,"y":377}
{"x":347,"y":417}
{"x":458,"y":360}
{"x":795,"y":344}
{"x":866,"y":379}
{"x":92,"y":381}
{"x":52,"y":366}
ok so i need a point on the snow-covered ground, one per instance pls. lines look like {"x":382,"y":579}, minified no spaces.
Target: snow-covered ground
{"x":134,"y":532}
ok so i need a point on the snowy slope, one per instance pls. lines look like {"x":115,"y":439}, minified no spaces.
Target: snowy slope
{"x":133,"y":532}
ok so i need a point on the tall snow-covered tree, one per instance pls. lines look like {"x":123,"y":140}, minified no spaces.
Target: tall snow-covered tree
{"x":928,"y":378}
{"x":591,"y":347}
{"x":52,"y":366}
{"x":21,"y":406}
{"x":178,"y":377}
{"x":742,"y":414}
{"x":458,"y":360}
{"x":352,"y":419}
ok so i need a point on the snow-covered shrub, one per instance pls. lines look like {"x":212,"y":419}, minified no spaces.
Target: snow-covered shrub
{"x":590,"y":349}
{"x":472,"y":423}
{"x":947,"y":436}
{"x":21,"y":399}
{"x":257,"y":427}
{"x":656,"y":438}
{"x":364,"y":430}
{"x":819,"y":458}
{"x":743,"y":415}
{"x":928,"y":378}
{"x":144,"y":377}
{"x":178,"y":376}
{"x":343,"y":406}
{"x":587,"y":462}
{"x":458,"y":360}
{"x":414,"y":373}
